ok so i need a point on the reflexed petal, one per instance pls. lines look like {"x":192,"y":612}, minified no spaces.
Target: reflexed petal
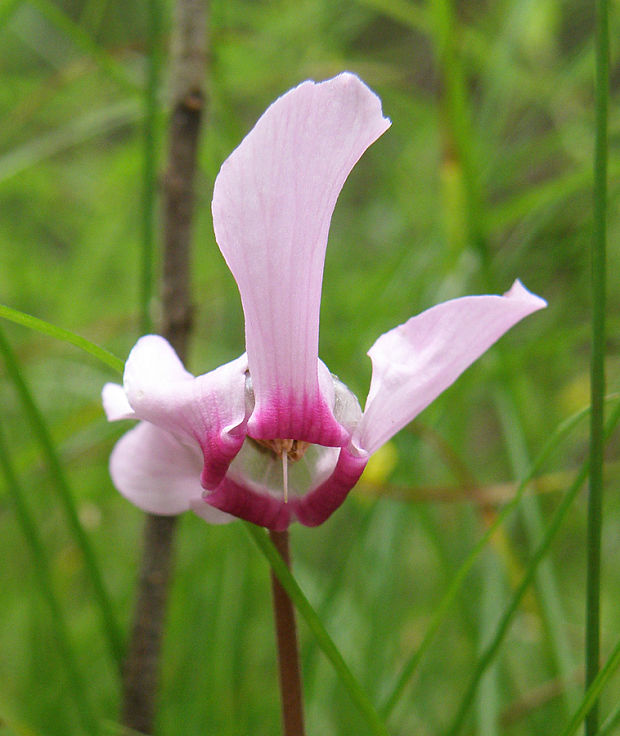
{"x":318,"y":481}
{"x":253,"y":487}
{"x":115,"y":403}
{"x":209,"y":410}
{"x":246,"y":503}
{"x":157,"y":473}
{"x":272,"y":205}
{"x":318,"y":505}
{"x":264,"y":505}
{"x":152,"y":365}
{"x":413,"y":363}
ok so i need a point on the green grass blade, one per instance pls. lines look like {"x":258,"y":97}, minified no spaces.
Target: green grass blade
{"x":43,"y":576}
{"x":552,"y":529}
{"x":85,"y":43}
{"x":609,"y":727}
{"x":488,"y":700}
{"x":111,"y":629}
{"x":597,"y":369}
{"x":409,"y":14}
{"x":458,"y":129}
{"x":324,"y":640}
{"x":59,"y":333}
{"x":459,"y":579}
{"x":101,"y":121}
{"x":592,"y":694}
{"x":550,"y":602}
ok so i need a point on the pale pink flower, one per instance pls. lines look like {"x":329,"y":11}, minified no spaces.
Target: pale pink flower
{"x":227,"y":443}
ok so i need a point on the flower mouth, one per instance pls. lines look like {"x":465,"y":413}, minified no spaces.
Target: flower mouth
{"x":285,"y":450}
{"x":282,"y":469}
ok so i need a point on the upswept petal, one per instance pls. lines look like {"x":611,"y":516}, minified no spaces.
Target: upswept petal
{"x":159,"y":474}
{"x":413,"y":363}
{"x":115,"y":403}
{"x":209,"y":410}
{"x":272,"y":205}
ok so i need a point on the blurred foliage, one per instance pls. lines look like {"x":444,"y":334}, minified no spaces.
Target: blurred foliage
{"x":484,"y":176}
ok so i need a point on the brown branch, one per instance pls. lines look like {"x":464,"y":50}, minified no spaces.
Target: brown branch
{"x":491,"y":495}
{"x":187,"y":82}
{"x":141,"y":674}
{"x":288,"y":650}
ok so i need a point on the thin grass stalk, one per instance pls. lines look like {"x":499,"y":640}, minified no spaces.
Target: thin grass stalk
{"x":411,"y":665}
{"x":556,"y":521}
{"x":611,"y":722}
{"x":590,"y":699}
{"x":374,"y":721}
{"x":548,"y":592}
{"x":457,"y":129}
{"x":488,"y":700}
{"x":330,"y":597}
{"x":86,"y":44}
{"x":460,"y":144}
{"x":597,"y":366}
{"x":43,"y":575}
{"x":111,"y":630}
{"x":188,"y":66}
{"x":59,"y":333}
{"x":289,"y":669}
{"x":93,"y":123}
{"x":149,"y":171}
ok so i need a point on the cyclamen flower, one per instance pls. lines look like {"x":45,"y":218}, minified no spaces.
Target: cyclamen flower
{"x":273,"y":436}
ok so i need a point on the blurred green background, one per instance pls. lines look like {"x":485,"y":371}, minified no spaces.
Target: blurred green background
{"x":484,"y":176}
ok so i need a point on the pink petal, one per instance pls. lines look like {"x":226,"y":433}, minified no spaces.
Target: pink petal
{"x":318,"y":505}
{"x":253,"y":488}
{"x":245,"y":503}
{"x":272,"y":205}
{"x":413,"y":363}
{"x":115,"y":403}
{"x":157,"y":473}
{"x":209,"y":410}
{"x":261,"y":507}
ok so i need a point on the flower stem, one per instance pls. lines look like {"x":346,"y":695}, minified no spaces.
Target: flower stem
{"x":188,"y":60}
{"x":288,"y":650}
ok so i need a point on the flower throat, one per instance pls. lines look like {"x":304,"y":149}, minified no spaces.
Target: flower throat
{"x":286,"y":450}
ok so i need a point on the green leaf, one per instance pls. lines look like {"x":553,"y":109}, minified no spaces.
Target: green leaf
{"x":59,"y":333}
{"x":112,"y":631}
{"x":43,"y":576}
{"x":592,"y":694}
{"x":410,"y":667}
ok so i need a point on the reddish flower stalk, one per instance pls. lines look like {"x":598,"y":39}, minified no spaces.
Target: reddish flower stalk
{"x":288,"y":650}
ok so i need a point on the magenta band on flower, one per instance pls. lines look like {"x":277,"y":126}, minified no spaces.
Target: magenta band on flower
{"x":318,"y":505}
{"x":246,"y":503}
{"x":312,"y":509}
{"x":306,"y":418}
